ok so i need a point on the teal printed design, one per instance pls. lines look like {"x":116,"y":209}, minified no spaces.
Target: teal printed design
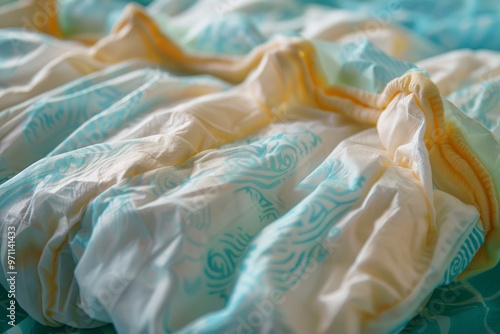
{"x":369,"y":68}
{"x":233,"y":34}
{"x":167,"y":179}
{"x":54,"y":119}
{"x":310,"y":226}
{"x":481,"y":102}
{"x":221,"y":264}
{"x":225,"y":255}
{"x":98,"y":128}
{"x":214,"y":254}
{"x":49,"y":120}
{"x":260,"y":166}
{"x":306,"y":232}
{"x":269,"y":163}
{"x":283,"y":253}
{"x":334,"y":171}
{"x":13,"y":51}
{"x":465,"y":255}
{"x":52,"y":170}
{"x":452,"y":306}
{"x":267,"y":211}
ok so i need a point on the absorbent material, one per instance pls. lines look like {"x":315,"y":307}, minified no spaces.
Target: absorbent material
{"x":198,"y":167}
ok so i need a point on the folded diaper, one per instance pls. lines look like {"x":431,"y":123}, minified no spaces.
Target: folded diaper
{"x":165,"y":174}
